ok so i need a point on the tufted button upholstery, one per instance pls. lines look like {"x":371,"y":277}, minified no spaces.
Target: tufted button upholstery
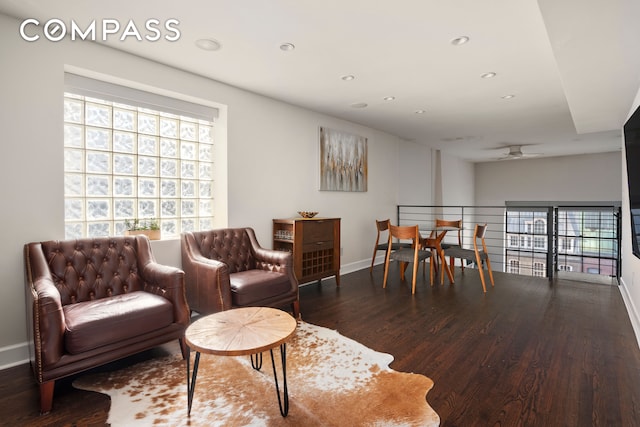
{"x":227,"y":268}
{"x":89,"y":269}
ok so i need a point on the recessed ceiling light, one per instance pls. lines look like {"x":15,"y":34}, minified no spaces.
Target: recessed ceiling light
{"x":389,"y":98}
{"x":459,"y":40}
{"x":208,"y":44}
{"x":507,"y":96}
{"x":420,"y":111}
{"x":287,"y":47}
{"x":488,"y":75}
{"x":359,"y":105}
{"x":348,"y":77}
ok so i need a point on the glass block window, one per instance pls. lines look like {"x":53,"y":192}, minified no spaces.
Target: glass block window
{"x":123,"y":162}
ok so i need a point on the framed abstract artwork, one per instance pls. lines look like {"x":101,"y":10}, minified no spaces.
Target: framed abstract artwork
{"x":343,"y":161}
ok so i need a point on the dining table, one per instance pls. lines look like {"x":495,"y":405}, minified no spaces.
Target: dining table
{"x":432,"y":237}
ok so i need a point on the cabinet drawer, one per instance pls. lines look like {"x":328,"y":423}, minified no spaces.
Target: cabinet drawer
{"x":317,"y":246}
{"x":318,"y":231}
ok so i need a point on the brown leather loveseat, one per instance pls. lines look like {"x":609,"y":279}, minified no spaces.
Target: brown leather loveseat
{"x":227,"y":268}
{"x":92,"y":301}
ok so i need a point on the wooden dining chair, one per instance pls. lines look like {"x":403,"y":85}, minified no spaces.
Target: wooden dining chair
{"x":382,"y":227}
{"x":478,"y":254}
{"x":457,"y":224}
{"x":405,"y":255}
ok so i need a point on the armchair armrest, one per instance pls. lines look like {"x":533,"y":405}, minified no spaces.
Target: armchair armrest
{"x":163,"y":280}
{"x":270,"y":259}
{"x":273,"y":260}
{"x":207,"y":281}
{"x":168,"y":282}
{"x":47,"y":318}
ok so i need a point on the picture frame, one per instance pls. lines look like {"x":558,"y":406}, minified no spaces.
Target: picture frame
{"x":343,"y":161}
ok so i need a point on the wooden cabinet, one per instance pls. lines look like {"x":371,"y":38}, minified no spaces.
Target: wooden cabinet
{"x":315,"y":244}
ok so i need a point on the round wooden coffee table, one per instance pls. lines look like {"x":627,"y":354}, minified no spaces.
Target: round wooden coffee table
{"x":238,"y":332}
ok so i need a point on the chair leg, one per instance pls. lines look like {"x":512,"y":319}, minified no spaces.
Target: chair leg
{"x":490,"y":272}
{"x":183,"y":348}
{"x":413,"y":282}
{"x":403,"y":268}
{"x":386,"y":271}
{"x":431,"y":268}
{"x":295,"y":306}
{"x":480,"y":268}
{"x":373,"y":258}
{"x":46,"y":397}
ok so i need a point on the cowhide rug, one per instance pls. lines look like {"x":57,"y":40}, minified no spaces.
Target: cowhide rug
{"x":332,"y":380}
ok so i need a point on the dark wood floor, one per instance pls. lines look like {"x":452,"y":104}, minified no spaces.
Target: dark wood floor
{"x":528,"y":353}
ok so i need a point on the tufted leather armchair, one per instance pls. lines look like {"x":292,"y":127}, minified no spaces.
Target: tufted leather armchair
{"x":92,"y":301}
{"x":227,"y":268}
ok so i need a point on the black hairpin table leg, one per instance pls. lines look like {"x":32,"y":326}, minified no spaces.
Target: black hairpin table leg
{"x":191,"y":380}
{"x":257,"y":362}
{"x":283,"y":402}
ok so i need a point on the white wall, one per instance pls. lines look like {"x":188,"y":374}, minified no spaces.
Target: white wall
{"x":457,"y":181}
{"x":586,"y":178}
{"x":630,"y":281}
{"x":414,"y":175}
{"x":272,"y":161}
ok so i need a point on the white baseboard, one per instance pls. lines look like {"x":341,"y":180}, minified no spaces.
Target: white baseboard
{"x":355,"y":266}
{"x":14,"y":355}
{"x":632,"y":311}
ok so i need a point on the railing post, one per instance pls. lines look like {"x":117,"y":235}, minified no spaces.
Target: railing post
{"x":552,"y":230}
{"x":618,"y":217}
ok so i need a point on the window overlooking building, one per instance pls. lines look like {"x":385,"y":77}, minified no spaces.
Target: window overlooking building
{"x":525,"y":242}
{"x":539,"y":269}
{"x":124,"y":162}
{"x":565,"y":245}
{"x":514,"y":266}
{"x":540,"y":243}
{"x":539,"y":226}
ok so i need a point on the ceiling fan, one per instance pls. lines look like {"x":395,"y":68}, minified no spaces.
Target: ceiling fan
{"x":515,"y":152}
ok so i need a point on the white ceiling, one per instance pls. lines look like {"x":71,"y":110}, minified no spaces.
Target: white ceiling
{"x":573,"y":65}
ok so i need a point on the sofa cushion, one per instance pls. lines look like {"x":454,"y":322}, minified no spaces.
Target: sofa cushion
{"x":250,"y":286}
{"x":92,"y":324}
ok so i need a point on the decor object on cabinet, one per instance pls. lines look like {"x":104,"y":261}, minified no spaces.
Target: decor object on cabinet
{"x":227,"y":268}
{"x":343,"y":161}
{"x":95,"y":300}
{"x":314,"y":243}
{"x":307,"y":214}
